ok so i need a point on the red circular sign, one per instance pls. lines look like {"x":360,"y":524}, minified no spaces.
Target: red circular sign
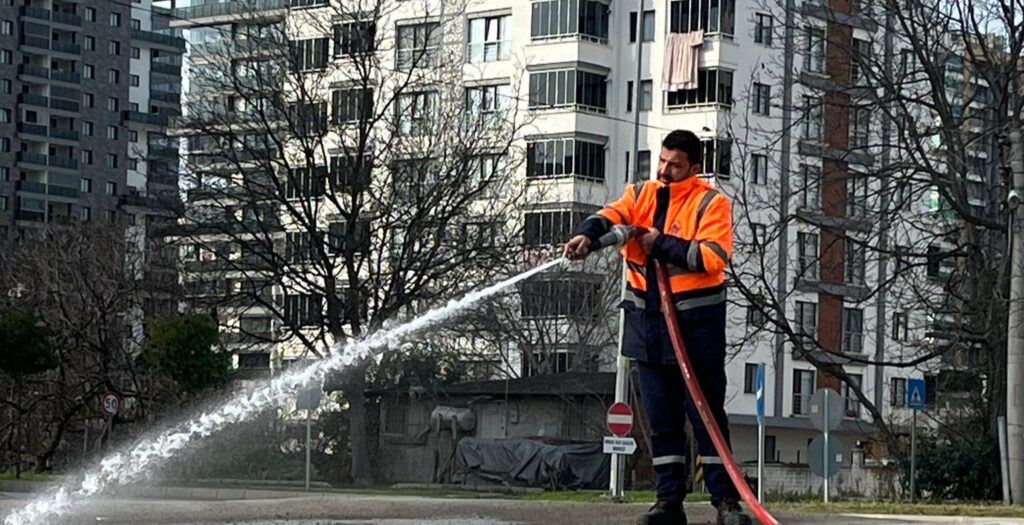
{"x":620,"y":419}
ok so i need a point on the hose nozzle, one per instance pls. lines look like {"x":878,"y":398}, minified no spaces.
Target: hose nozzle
{"x":617,"y":236}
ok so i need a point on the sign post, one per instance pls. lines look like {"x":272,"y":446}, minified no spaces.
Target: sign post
{"x":308,"y":400}
{"x":111,"y":404}
{"x":619,"y":444}
{"x":826,"y":414}
{"x":915,"y":401}
{"x":759,"y":389}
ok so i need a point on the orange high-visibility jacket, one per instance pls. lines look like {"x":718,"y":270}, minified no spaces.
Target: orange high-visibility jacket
{"x":695,"y":244}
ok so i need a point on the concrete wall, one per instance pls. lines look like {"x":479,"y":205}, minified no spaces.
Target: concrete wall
{"x":853,"y":481}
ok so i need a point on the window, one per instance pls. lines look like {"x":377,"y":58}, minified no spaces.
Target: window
{"x":859,"y":59}
{"x":860,"y":7}
{"x":710,"y":16}
{"x":6,"y":57}
{"x":90,"y":14}
{"x":134,"y":106}
{"x":853,"y":331}
{"x":111,"y":188}
{"x":583,"y":18}
{"x":807,"y":322}
{"x":647,"y":28}
{"x":898,"y":392}
{"x":6,"y":27}
{"x":5,"y":145}
{"x":486,"y":105}
{"x":717,"y":157}
{"x":301,"y":310}
{"x":115,"y":19}
{"x":88,"y":71}
{"x":750,"y":378}
{"x":486,"y":174}
{"x":762,"y":99}
{"x":853,"y":271}
{"x":813,"y":119}
{"x":814,"y":53}
{"x":111,"y":160}
{"x":763,"y":29}
{"x":560,"y":298}
{"x":803,"y":389}
{"x":5,"y":115}
{"x":759,"y":163}
{"x":900,"y":322}
{"x":488,"y":39}
{"x":758,"y":235}
{"x":85,"y":185}
{"x":85,"y":214}
{"x":307,"y":119}
{"x":113,"y":104}
{"x":133,"y":164}
{"x":110,"y":215}
{"x":416,"y":112}
{"x":646,"y":95}
{"x":643,"y":169}
{"x":114,"y":48}
{"x":5,"y":174}
{"x":6,"y":86}
{"x":565,"y":157}
{"x":89,"y":43}
{"x":349,"y":173}
{"x":134,"y":80}
{"x":550,"y":228}
{"x":298,"y":248}
{"x":355,"y":38}
{"x":136,"y":24}
{"x":851,"y":403}
{"x":136,"y":53}
{"x":934,"y":261}
{"x":808,"y":190}
{"x":807,"y":255}
{"x":351,"y":105}
{"x":339,"y":237}
{"x":856,"y":194}
{"x":87,"y":157}
{"x":860,"y":123}
{"x":309,"y":54}
{"x":303,"y":183}
{"x":714,"y":86}
{"x":569,"y":88}
{"x":133,"y":136}
{"x":3,"y":203}
{"x":756,"y":317}
{"x":111,"y":132}
{"x":87,"y":100}
{"x":86,"y":128}
{"x":418,"y":46}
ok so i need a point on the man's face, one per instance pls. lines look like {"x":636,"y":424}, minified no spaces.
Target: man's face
{"x":674,"y":166}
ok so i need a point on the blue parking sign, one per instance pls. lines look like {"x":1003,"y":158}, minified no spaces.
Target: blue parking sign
{"x":759,"y":390}
{"x":915,"y":394}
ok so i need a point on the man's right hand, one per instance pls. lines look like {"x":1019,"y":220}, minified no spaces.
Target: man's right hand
{"x":577,"y":248}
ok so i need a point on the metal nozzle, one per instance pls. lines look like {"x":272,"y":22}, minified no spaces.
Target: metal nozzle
{"x":616,"y":236}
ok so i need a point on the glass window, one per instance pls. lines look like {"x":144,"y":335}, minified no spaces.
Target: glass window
{"x":418,"y":46}
{"x":489,"y":39}
{"x":807,"y":255}
{"x":565,"y":158}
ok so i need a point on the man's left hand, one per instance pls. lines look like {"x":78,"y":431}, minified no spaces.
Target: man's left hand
{"x":647,"y":239}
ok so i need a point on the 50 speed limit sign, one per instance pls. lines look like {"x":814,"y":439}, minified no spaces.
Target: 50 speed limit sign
{"x":111,"y":403}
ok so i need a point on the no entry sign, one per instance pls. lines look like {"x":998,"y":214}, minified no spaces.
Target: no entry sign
{"x":620,"y":419}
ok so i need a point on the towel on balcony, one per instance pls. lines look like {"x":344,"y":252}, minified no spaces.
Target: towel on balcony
{"x":681,"y":60}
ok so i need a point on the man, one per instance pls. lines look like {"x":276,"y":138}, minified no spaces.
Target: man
{"x":695,"y":248}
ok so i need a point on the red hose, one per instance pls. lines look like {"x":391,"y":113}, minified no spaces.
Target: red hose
{"x":668,"y":309}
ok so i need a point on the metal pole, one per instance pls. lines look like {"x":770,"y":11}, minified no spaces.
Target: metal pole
{"x":1015,"y":334}
{"x":618,"y":466}
{"x":825,"y":448}
{"x":1004,"y":467}
{"x":309,"y":442}
{"x":760,"y":461}
{"x":913,"y":458}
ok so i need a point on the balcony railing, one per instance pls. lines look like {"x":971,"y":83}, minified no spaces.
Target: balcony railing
{"x":165,"y":69}
{"x":65,"y":76}
{"x":35,"y":12}
{"x":145,"y":118}
{"x":160,"y":39}
{"x":62,"y":191}
{"x":28,"y":215}
{"x":31,"y":129}
{"x":66,"y":18}
{"x":229,"y":8}
{"x":33,"y":71}
{"x":31,"y":187}
{"x":66,"y":105}
{"x":66,"y":47}
{"x":64,"y":134}
{"x":165,"y":96}
{"x":35,"y":41}
{"x":33,"y":100}
{"x":31,"y":158}
{"x":62,"y":162}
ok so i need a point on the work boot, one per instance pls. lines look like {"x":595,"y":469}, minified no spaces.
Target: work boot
{"x":730,"y":513}
{"x":663,"y":513}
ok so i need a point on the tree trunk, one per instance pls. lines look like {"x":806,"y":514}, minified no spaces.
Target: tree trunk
{"x":356,"y":393}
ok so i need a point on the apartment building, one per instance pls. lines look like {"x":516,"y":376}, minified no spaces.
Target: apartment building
{"x":787,"y":133}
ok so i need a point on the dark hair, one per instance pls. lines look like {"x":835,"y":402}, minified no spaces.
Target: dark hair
{"x":686,"y":142}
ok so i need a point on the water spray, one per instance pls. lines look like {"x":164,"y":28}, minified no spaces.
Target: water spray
{"x":130,"y":465}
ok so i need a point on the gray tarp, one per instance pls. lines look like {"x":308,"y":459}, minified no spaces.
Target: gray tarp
{"x":531,"y":463}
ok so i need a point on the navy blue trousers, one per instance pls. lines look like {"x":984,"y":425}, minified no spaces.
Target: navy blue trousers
{"x":666,"y":403}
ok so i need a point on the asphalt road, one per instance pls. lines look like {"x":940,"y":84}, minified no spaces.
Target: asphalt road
{"x":405,"y":510}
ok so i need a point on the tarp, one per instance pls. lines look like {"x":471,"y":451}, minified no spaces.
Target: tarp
{"x":531,"y":463}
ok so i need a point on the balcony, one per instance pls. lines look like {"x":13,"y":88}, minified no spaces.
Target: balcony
{"x":33,"y":100}
{"x":66,"y":19}
{"x":152,"y":119}
{"x":65,"y":105}
{"x":152,"y":37}
{"x":63,"y":163}
{"x":62,"y":191}
{"x":65,"y":76}
{"x":28,"y":215}
{"x":27,"y":157}
{"x":241,"y":7}
{"x":165,"y":69}
{"x":33,"y":71}
{"x":35,"y":41}
{"x":31,"y":187}
{"x":66,"y":47}
{"x":165,"y":96}
{"x":64,"y":134}
{"x":32,"y":129}
{"x":35,"y":13}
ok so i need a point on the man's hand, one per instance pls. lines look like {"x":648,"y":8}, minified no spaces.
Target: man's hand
{"x":577,"y":248}
{"x":647,"y":239}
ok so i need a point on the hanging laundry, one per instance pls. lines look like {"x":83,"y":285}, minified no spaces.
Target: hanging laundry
{"x":681,"y":60}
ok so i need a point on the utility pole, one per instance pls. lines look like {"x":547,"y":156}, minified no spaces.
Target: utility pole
{"x":1015,"y":326}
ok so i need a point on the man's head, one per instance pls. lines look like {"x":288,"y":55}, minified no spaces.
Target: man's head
{"x":680,"y":156}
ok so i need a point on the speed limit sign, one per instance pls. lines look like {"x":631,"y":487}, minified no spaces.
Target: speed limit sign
{"x":111,"y":403}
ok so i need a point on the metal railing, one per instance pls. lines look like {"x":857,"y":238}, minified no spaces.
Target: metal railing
{"x":35,"y":12}
{"x":31,"y":129}
{"x":63,"y":162}
{"x":66,"y":47}
{"x":145,"y":118}
{"x":27,"y":215}
{"x":31,"y":158}
{"x":64,"y":134}
{"x":33,"y":71}
{"x":66,"y":105}
{"x":62,"y":191}
{"x":165,"y":96}
{"x":65,"y":76}
{"x":33,"y":100}
{"x":66,"y":18}
{"x":31,"y":187}
{"x":35,"y":41}
{"x":158,"y":38}
{"x":165,"y":69}
{"x":229,"y":8}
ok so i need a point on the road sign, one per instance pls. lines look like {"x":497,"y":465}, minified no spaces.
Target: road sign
{"x":620,"y":419}
{"x":619,"y":445}
{"x":308,"y":398}
{"x":759,"y":390}
{"x":915,"y":394}
{"x":817,"y":460}
{"x":111,"y":403}
{"x":819,"y":418}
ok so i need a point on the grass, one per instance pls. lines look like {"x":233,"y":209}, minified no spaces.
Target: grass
{"x":977,"y":509}
{"x":8,"y":475}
